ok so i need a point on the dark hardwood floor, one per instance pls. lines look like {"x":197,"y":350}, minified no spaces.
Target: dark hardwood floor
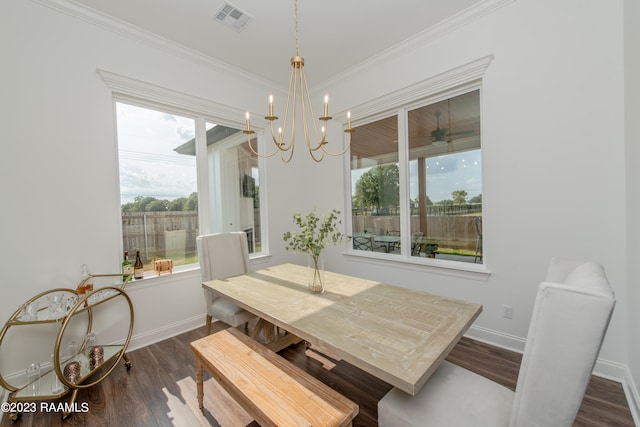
{"x":160,"y":389}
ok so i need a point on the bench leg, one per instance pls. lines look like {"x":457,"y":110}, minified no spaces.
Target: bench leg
{"x":199,"y":384}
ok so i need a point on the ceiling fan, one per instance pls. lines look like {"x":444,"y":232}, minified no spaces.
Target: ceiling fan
{"x":442,"y":136}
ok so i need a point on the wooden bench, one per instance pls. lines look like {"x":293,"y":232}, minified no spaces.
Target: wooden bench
{"x":271,"y":389}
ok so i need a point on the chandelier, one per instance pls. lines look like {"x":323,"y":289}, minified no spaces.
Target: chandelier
{"x":298,"y":97}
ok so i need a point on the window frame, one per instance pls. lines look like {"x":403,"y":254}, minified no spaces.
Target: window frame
{"x":145,"y":95}
{"x":457,"y":81}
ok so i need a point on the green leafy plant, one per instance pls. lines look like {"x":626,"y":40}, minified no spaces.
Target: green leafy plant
{"x":314,"y":235}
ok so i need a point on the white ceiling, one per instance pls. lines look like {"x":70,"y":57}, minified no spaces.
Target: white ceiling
{"x":335,"y":35}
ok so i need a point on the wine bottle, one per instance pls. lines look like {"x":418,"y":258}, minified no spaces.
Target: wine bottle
{"x":127,"y":267}
{"x":138,"y":268}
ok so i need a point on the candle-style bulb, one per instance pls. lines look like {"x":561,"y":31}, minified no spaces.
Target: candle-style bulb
{"x":326,"y":105}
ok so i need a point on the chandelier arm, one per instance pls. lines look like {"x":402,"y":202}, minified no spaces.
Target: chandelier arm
{"x":292,"y":80}
{"x":287,"y":159}
{"x":317,"y":159}
{"x":294,"y":107}
{"x":291,"y":146}
{"x":255,"y":151}
{"x":279,"y":145}
{"x":306,"y":98}
{"x":323,"y":141}
{"x":343,"y":151}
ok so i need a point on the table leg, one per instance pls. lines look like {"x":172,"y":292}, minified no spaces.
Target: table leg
{"x":199,"y":383}
{"x":269,"y":332}
{"x":259,"y":326}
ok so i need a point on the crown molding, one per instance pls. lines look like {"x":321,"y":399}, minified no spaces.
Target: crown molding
{"x":454,"y":22}
{"x":97,"y":18}
{"x":102,"y":20}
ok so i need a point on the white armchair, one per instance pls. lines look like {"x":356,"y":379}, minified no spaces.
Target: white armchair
{"x":223,"y":255}
{"x":570,"y":317}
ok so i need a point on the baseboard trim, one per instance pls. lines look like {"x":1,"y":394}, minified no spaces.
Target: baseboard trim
{"x":633,"y":397}
{"x":168,"y":331}
{"x":604,"y":368}
{"x":499,"y":339}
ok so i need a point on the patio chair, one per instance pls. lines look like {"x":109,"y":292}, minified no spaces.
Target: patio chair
{"x":416,"y":243}
{"x":363,"y":243}
{"x":478,"y":224}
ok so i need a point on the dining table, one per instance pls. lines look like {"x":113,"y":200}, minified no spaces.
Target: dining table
{"x":394,"y":333}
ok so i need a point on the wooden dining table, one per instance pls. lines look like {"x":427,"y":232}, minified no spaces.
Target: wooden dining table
{"x":396,"y":334}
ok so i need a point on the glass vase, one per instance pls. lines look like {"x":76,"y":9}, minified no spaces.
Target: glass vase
{"x":316,"y":273}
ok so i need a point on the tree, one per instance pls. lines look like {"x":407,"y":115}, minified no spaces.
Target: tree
{"x":151,"y":204}
{"x":177,"y":204}
{"x":139,"y":204}
{"x":379,"y":187}
{"x":459,"y":197}
{"x":191,"y":203}
{"x":157,"y":206}
{"x":476,"y":199}
{"x":428,"y":202}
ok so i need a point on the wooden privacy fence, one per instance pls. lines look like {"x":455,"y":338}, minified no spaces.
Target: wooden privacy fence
{"x":168,"y":235}
{"x":160,"y":234}
{"x":456,"y":232}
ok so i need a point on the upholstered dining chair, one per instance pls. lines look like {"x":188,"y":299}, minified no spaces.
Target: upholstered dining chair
{"x":570,"y":317}
{"x":223,"y":255}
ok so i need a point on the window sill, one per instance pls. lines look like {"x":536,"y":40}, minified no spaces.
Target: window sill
{"x":181,"y":273}
{"x":153,"y":279}
{"x":463,"y":270}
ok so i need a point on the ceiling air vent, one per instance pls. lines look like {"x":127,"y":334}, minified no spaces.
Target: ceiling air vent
{"x":233,"y":17}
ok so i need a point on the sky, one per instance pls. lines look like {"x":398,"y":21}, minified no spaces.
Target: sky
{"x":445,"y":174}
{"x":149,"y":166}
{"x":449,"y":173}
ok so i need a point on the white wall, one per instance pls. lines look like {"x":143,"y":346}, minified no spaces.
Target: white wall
{"x":632,"y":137}
{"x":553,"y":156}
{"x":553,"y":143}
{"x":58,"y":168}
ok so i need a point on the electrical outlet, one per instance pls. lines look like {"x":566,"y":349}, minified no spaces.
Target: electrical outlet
{"x":507,"y":312}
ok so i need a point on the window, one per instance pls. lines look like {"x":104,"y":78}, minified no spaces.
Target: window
{"x":441,"y":213}
{"x":234,"y":171}
{"x":159,"y":188}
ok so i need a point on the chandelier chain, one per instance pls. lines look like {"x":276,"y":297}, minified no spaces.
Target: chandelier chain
{"x":295,"y":7}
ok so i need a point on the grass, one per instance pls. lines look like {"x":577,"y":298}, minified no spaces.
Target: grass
{"x":459,"y":252}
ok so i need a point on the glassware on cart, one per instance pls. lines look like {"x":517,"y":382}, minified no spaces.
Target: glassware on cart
{"x":30,"y":312}
{"x":72,"y":350}
{"x":56,"y":386}
{"x":33,"y":379}
{"x":57,"y":307}
{"x":89,"y":343}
